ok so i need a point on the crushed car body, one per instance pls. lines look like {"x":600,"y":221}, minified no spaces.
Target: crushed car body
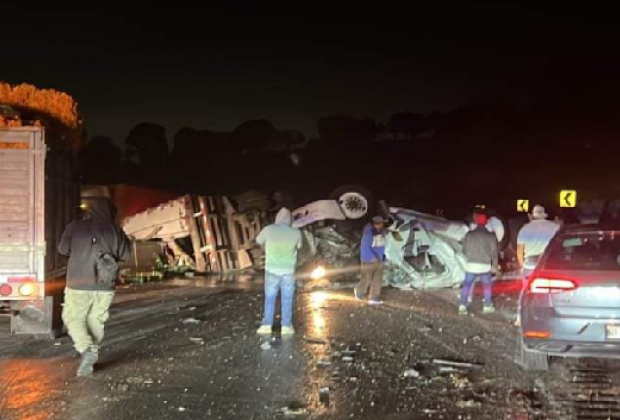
{"x":422,"y":251}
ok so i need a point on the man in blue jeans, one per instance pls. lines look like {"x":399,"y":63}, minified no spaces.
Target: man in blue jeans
{"x":481,"y":251}
{"x":281,"y":242}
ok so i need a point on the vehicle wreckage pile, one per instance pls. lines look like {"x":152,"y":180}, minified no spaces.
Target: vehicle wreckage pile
{"x":422,"y":251}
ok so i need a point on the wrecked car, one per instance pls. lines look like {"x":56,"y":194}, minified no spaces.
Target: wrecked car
{"x":422,"y":251}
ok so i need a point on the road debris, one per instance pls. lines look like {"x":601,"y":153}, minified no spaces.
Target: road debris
{"x":197,"y":340}
{"x":445,"y":362}
{"x":191,"y":321}
{"x":468,"y":404}
{"x":294,"y":410}
{"x":324,"y":395}
{"x":317,"y":341}
{"x":411,"y":373}
{"x":323,"y":364}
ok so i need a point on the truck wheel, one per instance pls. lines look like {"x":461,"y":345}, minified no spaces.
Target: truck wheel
{"x":533,"y":361}
{"x":357,"y":203}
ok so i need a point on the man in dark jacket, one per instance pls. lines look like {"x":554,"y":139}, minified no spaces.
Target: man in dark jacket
{"x":481,"y":251}
{"x":372,"y":255}
{"x":89,"y":292}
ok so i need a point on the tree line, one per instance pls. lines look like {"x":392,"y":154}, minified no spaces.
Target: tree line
{"x":478,"y":138}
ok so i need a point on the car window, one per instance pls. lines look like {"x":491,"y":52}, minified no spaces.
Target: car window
{"x":585,"y":251}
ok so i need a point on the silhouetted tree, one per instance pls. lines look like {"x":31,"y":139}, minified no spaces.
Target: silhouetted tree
{"x":147,"y":142}
{"x":100,"y":161}
{"x":102,"y":149}
{"x":186,"y":145}
{"x":407,"y":124}
{"x":257,"y":135}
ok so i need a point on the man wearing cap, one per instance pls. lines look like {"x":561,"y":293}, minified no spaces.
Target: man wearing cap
{"x":533,"y":239}
{"x":481,"y":251}
{"x":372,"y":255}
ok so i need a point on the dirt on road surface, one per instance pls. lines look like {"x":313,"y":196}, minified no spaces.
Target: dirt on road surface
{"x":188,"y":350}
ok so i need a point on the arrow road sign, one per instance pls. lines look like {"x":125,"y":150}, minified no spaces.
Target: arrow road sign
{"x":568,"y":198}
{"x":523,"y":206}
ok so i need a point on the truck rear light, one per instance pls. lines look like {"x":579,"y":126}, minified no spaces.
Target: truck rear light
{"x":536,"y":334}
{"x":6,"y":290}
{"x":544,"y":285}
{"x":27,"y":289}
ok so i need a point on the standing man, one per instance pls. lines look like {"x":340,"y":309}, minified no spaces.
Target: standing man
{"x":94,"y":246}
{"x":533,"y":240}
{"x":281,"y":242}
{"x":481,"y":251}
{"x":372,"y":255}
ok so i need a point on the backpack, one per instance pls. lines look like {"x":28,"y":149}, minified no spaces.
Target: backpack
{"x":106,"y":264}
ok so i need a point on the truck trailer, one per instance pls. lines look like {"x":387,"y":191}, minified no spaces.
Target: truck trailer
{"x":39,"y":196}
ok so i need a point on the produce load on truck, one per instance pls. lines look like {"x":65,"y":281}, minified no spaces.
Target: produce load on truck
{"x":40,"y":132}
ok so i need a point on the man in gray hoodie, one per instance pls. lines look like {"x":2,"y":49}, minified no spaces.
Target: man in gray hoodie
{"x":281,"y":242}
{"x":89,"y":292}
{"x":481,"y":251}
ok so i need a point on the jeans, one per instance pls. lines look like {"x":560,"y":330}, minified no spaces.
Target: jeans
{"x":84,"y":314}
{"x":274,"y":283}
{"x":371,"y":278}
{"x":468,"y":284}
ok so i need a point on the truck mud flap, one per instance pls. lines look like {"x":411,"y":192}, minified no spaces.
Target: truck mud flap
{"x":38,"y":317}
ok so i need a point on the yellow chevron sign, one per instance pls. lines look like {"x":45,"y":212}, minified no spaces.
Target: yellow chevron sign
{"x":523,"y":206}
{"x":568,"y":198}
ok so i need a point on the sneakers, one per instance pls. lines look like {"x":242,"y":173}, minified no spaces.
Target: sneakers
{"x":287,"y":331}
{"x":87,"y":367}
{"x":488,"y":309}
{"x":264,"y":330}
{"x":462,"y":310}
{"x":375,"y":302}
{"x":358,"y":297}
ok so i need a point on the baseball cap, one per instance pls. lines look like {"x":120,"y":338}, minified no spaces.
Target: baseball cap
{"x":378,"y":219}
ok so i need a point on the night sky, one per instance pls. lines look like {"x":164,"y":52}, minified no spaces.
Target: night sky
{"x":215,"y":67}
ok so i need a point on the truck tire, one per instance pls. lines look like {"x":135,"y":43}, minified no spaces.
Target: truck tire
{"x":532,"y":361}
{"x":357,"y":203}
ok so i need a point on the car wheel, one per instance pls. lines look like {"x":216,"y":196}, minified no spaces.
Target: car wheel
{"x":533,"y":361}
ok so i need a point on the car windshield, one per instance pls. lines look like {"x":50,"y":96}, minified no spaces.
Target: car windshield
{"x":586,"y":251}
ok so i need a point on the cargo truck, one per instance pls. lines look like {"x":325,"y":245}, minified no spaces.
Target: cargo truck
{"x":39,"y":195}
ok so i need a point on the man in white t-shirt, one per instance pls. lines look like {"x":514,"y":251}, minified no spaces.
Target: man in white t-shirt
{"x":533,"y":239}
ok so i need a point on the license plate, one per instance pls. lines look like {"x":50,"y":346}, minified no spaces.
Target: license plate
{"x":613,"y":331}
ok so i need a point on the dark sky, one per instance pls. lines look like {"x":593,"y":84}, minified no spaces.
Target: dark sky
{"x":216,"y":66}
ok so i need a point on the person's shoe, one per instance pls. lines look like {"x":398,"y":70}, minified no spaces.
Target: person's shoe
{"x":462,"y":310}
{"x":287,"y":331}
{"x":264,"y":330}
{"x":87,"y":367}
{"x":357,"y":295}
{"x":488,"y":309}
{"x":375,"y":302}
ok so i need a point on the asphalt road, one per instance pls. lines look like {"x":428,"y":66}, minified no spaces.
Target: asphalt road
{"x":188,"y":350}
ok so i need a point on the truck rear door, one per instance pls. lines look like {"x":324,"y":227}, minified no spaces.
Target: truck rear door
{"x":22,"y":243}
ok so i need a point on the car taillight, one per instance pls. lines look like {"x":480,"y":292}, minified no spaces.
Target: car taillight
{"x":536,"y":334}
{"x":544,"y":285}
